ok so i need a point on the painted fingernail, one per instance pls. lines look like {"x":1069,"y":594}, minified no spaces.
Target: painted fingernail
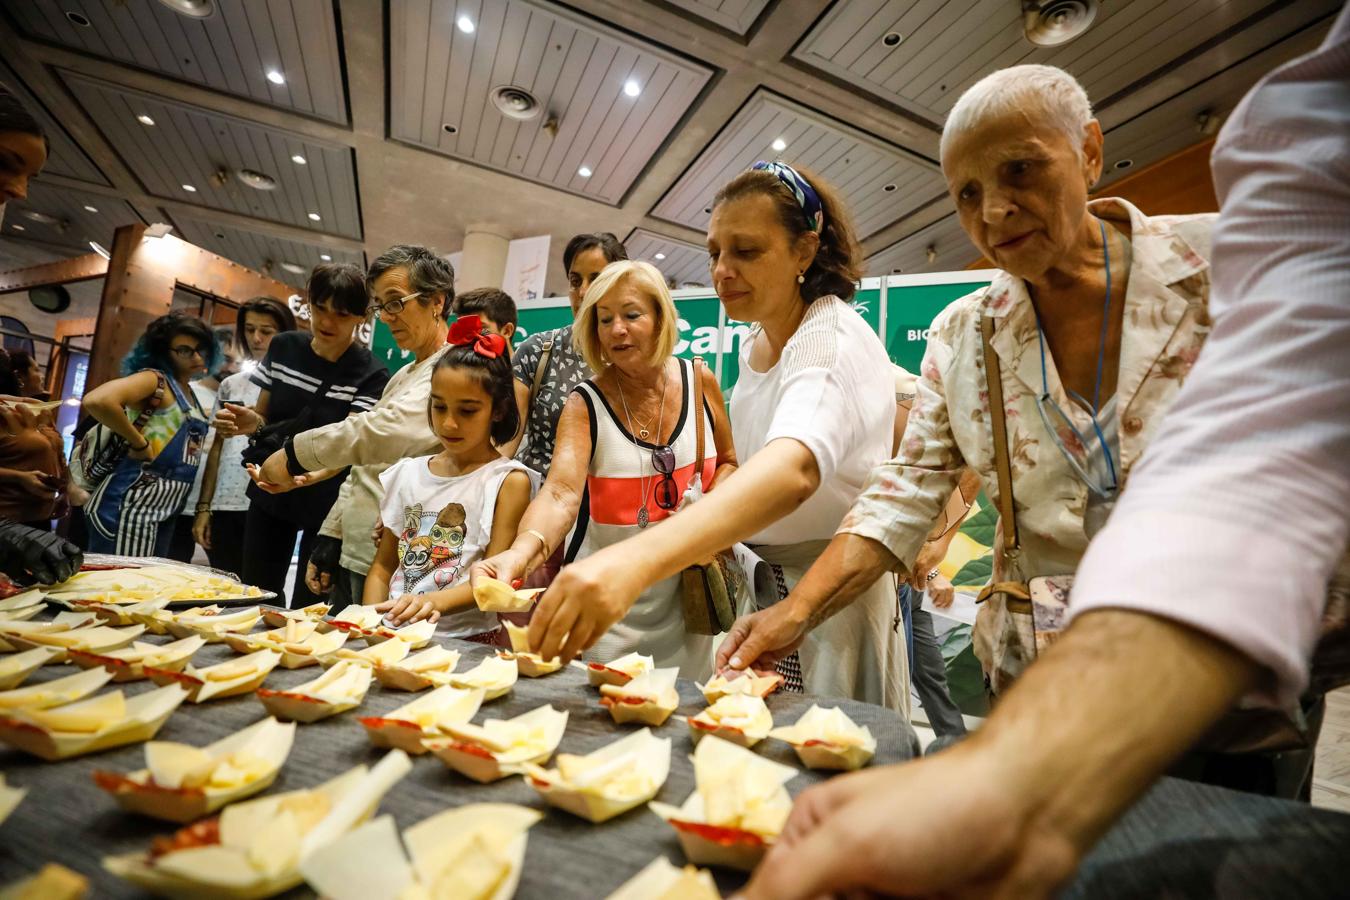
{"x":517,"y":582}
{"x":736,"y":662}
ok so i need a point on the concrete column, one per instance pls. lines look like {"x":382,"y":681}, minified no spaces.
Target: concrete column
{"x":484,"y":261}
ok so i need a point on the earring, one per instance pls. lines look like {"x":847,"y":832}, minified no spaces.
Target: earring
{"x":801,"y":278}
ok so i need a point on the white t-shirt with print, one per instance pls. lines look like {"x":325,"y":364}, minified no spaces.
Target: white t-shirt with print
{"x":443,"y":525}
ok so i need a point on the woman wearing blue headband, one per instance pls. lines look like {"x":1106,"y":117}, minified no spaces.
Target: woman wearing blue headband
{"x":812,"y":414}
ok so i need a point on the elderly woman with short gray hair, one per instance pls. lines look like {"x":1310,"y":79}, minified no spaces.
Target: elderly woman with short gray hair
{"x":1087,"y":331}
{"x":411,"y":290}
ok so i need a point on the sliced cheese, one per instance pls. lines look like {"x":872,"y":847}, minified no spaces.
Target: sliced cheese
{"x":84,"y":716}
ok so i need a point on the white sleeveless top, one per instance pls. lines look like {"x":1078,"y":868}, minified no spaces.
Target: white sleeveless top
{"x":621,"y":467}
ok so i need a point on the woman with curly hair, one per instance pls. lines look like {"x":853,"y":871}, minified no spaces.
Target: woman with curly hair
{"x":152,"y":408}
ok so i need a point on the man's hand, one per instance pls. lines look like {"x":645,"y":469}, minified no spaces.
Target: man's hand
{"x":940,"y":591}
{"x":274,"y":472}
{"x":234,"y":420}
{"x":949,"y":825}
{"x":762,"y":638}
{"x":36,"y":483}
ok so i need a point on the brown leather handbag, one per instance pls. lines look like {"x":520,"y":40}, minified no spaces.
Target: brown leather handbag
{"x":707,"y":590}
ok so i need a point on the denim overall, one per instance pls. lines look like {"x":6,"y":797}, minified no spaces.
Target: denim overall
{"x":132,"y":512}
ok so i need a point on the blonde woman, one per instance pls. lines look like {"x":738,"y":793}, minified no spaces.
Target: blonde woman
{"x":624,"y":455}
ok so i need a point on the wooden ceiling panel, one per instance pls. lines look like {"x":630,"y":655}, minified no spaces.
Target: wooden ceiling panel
{"x":683,"y":264}
{"x":264,"y":253}
{"x":735,"y":16}
{"x":77,"y":217}
{"x":232,"y":50}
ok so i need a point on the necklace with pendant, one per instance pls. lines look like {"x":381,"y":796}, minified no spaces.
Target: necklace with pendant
{"x":644,"y":482}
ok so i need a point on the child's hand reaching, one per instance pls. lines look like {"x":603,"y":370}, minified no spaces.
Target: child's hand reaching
{"x":408,"y":609}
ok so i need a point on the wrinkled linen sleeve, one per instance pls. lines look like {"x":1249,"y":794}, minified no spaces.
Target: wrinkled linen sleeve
{"x":396,"y":428}
{"x":1236,"y":517}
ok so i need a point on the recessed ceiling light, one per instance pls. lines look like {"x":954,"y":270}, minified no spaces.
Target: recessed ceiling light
{"x":779,"y":145}
{"x":660,"y":256}
{"x":275,"y":77}
{"x":449,"y":129}
{"x":299,"y":160}
{"x":189,"y":188}
{"x":144,"y":119}
{"x":1124,"y":163}
{"x":325,"y":257}
{"x":259,"y":181}
{"x":40,"y":217}
{"x":632,"y":88}
{"x":888,"y":188}
{"x":195,"y":9}
{"x":17,"y":227}
{"x":314,"y":217}
{"x":77,"y":19}
{"x":293,"y":268}
{"x":92,"y":209}
{"x":100,"y":249}
{"x":465,"y":24}
{"x":584,"y":172}
{"x":892,"y":38}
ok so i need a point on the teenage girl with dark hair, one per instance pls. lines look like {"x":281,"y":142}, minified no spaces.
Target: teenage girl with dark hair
{"x":306,"y":379}
{"x":132,"y":511}
{"x":218,"y":517}
{"x":443,"y":513}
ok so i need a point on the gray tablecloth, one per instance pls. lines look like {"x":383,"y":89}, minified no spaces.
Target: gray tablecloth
{"x":1181,"y":840}
{"x":66,"y":819}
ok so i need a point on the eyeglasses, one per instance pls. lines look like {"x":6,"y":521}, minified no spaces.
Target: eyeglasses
{"x":393,"y":307}
{"x":186,"y":353}
{"x":666,"y":492}
{"x":1050,"y":411}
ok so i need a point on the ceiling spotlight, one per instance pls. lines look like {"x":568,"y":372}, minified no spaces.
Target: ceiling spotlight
{"x":17,"y":227}
{"x":1050,"y":23}
{"x":888,"y":188}
{"x":144,"y":119}
{"x":194,"y":9}
{"x":256,"y":180}
{"x":189,"y":188}
{"x":100,"y":249}
{"x":293,"y":268}
{"x":299,"y":160}
{"x":660,"y":256}
{"x":92,"y":209}
{"x":584,"y":172}
{"x":40,"y":217}
{"x":515,"y":102}
{"x":449,"y":129}
{"x":892,"y":39}
{"x":632,"y":88}
{"x":1124,"y":163}
{"x":275,"y":77}
{"x":464,"y":24}
{"x":325,"y":257}
{"x":779,"y":145}
{"x":314,"y":217}
{"x":77,"y":19}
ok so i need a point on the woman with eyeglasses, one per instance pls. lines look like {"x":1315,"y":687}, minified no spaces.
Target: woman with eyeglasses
{"x":306,"y":379}
{"x":624,"y":456}
{"x":152,"y":408}
{"x":1098,"y":313}
{"x":411,"y":289}
{"x":813,"y":412}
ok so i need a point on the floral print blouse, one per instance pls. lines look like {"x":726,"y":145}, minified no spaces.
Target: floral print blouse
{"x":1166,"y":322}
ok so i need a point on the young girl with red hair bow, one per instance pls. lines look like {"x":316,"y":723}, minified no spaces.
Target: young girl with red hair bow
{"x":445,"y":512}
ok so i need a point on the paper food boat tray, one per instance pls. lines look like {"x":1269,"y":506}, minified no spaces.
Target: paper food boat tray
{"x":37,"y":741}
{"x":112,"y":561}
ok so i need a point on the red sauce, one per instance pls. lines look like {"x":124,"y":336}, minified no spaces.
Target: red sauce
{"x":181,"y":677}
{"x":303,"y":698}
{"x":726,"y":837}
{"x":381,"y":722}
{"x":704,"y":726}
{"x":115,"y":782}
{"x":475,"y":750}
{"x":7,"y":722}
{"x":631,"y":701}
{"x":199,"y":834}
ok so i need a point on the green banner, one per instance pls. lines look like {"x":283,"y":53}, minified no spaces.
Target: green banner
{"x":910,"y":304}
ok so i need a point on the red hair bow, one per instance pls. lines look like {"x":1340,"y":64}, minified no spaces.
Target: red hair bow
{"x":469,"y":330}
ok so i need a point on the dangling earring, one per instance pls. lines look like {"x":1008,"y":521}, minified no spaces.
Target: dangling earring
{"x":801,"y":278}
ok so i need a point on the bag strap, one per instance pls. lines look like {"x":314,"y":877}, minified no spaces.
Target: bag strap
{"x":152,"y":402}
{"x":539,"y":370}
{"x":993,"y":374}
{"x":698,"y":417}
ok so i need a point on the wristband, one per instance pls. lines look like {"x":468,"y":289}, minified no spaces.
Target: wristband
{"x":203,"y":508}
{"x":542,"y":540}
{"x":145,"y":446}
{"x":292,"y":461}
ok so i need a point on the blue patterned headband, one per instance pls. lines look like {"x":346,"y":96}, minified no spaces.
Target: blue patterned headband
{"x":807,"y":198}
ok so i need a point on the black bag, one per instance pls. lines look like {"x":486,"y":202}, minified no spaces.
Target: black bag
{"x":273,"y":436}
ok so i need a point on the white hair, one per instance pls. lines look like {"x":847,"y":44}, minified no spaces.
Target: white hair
{"x":1047,"y":92}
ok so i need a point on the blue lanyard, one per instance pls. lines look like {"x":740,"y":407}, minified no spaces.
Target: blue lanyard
{"x":1101,"y":361}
